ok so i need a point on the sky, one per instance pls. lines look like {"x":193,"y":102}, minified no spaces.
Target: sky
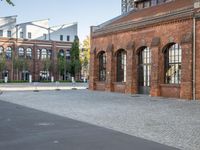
{"x":85,"y":12}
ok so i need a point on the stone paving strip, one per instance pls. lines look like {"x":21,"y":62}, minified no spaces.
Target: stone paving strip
{"x":167,"y":121}
{"x":41,"y":87}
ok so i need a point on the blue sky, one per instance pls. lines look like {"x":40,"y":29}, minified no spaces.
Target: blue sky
{"x":85,"y":12}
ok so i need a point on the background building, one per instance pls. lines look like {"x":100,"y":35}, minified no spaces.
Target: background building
{"x":32,"y":48}
{"x":128,"y":5}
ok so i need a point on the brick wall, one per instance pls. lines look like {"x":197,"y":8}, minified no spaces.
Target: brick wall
{"x":35,"y":65}
{"x":156,"y":38}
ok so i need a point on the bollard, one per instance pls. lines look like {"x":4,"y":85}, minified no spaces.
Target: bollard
{"x":57,"y":86}
{"x":36,"y":89}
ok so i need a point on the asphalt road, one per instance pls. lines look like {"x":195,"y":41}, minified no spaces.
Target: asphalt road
{"x":23,"y":128}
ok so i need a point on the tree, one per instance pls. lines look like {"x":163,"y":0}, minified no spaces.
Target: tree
{"x":47,"y":65}
{"x":9,"y":2}
{"x":20,"y":65}
{"x":85,"y":57}
{"x":2,"y":64}
{"x":75,"y":64}
{"x":63,"y":66}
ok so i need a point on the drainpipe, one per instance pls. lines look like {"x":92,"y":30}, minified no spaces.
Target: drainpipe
{"x":194,"y":58}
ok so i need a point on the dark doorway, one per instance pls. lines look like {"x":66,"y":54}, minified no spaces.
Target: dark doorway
{"x":144,"y":71}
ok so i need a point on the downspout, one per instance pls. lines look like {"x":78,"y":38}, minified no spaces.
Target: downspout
{"x":194,"y":58}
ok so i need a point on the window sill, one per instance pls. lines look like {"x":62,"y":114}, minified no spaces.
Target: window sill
{"x":171,"y":85}
{"x":119,"y":83}
{"x":100,"y":82}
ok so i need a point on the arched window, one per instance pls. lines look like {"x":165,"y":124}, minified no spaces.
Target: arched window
{"x":38,"y":53}
{"x":21,"y":52}
{"x":44,"y":54}
{"x":61,"y":53}
{"x":49,"y":53}
{"x":102,"y":66}
{"x":29,"y":53}
{"x":1,"y":50}
{"x":68,"y":54}
{"x":173,"y":59}
{"x":121,"y":66}
{"x":144,"y":70}
{"x":8,"y":53}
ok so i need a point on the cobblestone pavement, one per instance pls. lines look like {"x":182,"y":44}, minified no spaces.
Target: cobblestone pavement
{"x":168,"y":121}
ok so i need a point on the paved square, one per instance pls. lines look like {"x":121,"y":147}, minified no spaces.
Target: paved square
{"x":172,"y":122}
{"x":24,"y":128}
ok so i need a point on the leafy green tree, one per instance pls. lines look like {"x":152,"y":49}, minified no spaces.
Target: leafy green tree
{"x":20,"y":65}
{"x":2,"y":64}
{"x":63,"y":66}
{"x":75,"y":59}
{"x":47,"y":65}
{"x":85,"y":57}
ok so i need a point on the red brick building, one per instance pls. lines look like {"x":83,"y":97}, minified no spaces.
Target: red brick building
{"x":34,"y":52}
{"x":152,"y":50}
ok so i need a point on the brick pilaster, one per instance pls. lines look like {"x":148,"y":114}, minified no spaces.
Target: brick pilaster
{"x":93,"y":70}
{"x":109,"y":69}
{"x":186,"y":72}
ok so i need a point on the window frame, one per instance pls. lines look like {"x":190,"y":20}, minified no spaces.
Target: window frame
{"x":29,"y":35}
{"x":44,"y":53}
{"x":21,"y":35}
{"x":21,"y":52}
{"x":173,"y":63}
{"x":29,"y":51}
{"x":9,"y":34}
{"x":9,"y":53}
{"x":121,"y":65}
{"x":102,"y":66}
{"x":1,"y":33}
{"x":61,"y":37}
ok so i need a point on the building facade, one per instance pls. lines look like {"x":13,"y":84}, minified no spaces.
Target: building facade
{"x":153,"y":50}
{"x":129,"y":5}
{"x":37,"y":46}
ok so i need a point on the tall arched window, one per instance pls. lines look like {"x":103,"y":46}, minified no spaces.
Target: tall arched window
{"x":49,"y":53}
{"x":102,"y":66}
{"x":61,"y":53}
{"x":8,"y":53}
{"x":173,"y":59}
{"x":38,"y":53}
{"x":121,"y":66}
{"x":144,"y":70}
{"x":68,"y":54}
{"x":43,"y":54}
{"x":21,"y":52}
{"x":1,"y":50}
{"x":29,"y":53}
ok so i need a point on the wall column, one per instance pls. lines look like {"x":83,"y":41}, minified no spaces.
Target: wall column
{"x":155,"y":76}
{"x":130,"y":82}
{"x":109,"y":68}
{"x":54,"y":60}
{"x":155,"y":63}
{"x":34,"y":55}
{"x":186,"y":71}
{"x":93,"y":69}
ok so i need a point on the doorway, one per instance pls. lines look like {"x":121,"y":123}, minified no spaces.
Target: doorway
{"x":144,"y":71}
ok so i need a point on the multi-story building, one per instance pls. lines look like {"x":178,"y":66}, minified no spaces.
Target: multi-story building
{"x":128,"y":5}
{"x":33,"y":42}
{"x":152,"y":50}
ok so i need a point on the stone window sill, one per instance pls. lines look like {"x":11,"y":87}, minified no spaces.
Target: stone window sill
{"x":170,"y":85}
